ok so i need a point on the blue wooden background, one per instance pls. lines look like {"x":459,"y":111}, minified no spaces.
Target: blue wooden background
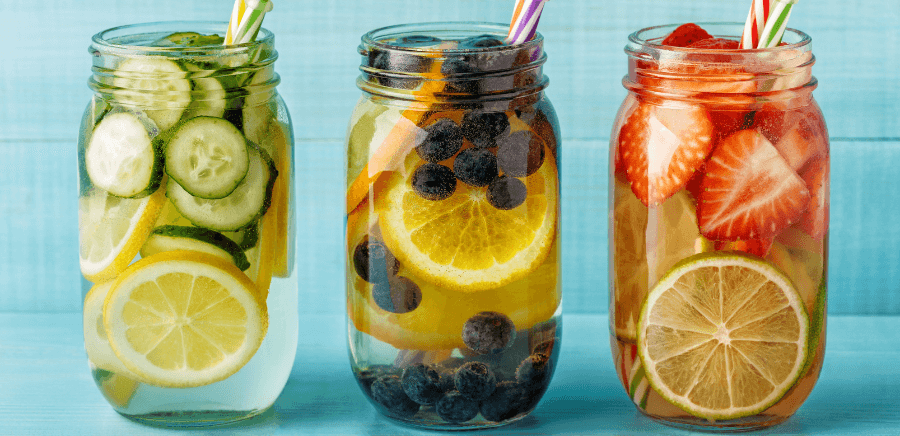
{"x":44,"y":68}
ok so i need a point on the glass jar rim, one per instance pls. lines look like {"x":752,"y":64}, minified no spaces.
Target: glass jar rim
{"x":376,"y":37}
{"x":800,"y":38}
{"x":103,"y":39}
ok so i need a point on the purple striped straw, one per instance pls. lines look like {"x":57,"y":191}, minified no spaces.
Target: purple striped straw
{"x":524,"y":21}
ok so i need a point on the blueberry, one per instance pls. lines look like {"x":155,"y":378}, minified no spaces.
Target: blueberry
{"x":443,"y":139}
{"x":458,"y":69}
{"x":367,"y":376}
{"x":534,"y":372}
{"x":506,"y":193}
{"x":455,"y":408}
{"x":422,"y":383}
{"x":520,"y":154}
{"x":506,"y":402}
{"x":416,"y":41}
{"x":488,"y":332}
{"x":545,"y":348}
{"x":387,"y":62}
{"x":483,"y":128}
{"x":374,"y":262}
{"x":388,"y":392}
{"x":458,"y":65}
{"x":475,"y":380}
{"x":433,"y":181}
{"x":480,"y":41}
{"x":397,"y":295}
{"x":475,"y":167}
{"x":398,"y":61}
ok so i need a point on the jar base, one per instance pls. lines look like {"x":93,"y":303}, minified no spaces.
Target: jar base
{"x":739,"y":425}
{"x":194,"y":419}
{"x":438,"y":424}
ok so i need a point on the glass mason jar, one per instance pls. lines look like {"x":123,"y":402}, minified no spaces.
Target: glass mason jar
{"x":453,"y":285}
{"x":186,"y":224}
{"x":719,"y":174}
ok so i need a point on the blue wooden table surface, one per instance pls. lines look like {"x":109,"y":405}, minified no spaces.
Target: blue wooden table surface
{"x":44,"y":384}
{"x":46,"y":388}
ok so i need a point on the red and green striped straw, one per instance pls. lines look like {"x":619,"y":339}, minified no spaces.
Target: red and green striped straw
{"x":525,"y":20}
{"x":766,"y":23}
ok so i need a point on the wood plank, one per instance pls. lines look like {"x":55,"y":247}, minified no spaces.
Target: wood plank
{"x":45,"y":91}
{"x":46,"y":387}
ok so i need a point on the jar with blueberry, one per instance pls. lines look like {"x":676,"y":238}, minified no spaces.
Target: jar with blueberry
{"x":453,"y":262}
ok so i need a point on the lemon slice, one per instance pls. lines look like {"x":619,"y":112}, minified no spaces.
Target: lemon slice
{"x":262,"y":256}
{"x":723,"y":335}
{"x":113,"y":229}
{"x":184,"y":319}
{"x":641,"y":254}
{"x":463,"y":242}
{"x":96,"y":344}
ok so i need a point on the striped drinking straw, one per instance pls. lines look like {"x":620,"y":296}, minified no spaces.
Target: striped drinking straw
{"x":766,"y":23}
{"x":776,"y":24}
{"x":246,"y":19}
{"x":524,"y":21}
{"x":236,"y":13}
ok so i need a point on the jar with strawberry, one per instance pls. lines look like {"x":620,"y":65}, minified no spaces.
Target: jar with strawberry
{"x":719,"y":175}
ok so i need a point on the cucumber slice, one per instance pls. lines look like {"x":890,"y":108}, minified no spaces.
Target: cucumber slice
{"x":168,"y":238}
{"x":208,"y":157}
{"x":157,"y":85}
{"x":188,"y":39}
{"x":249,"y":200}
{"x":207,"y":92}
{"x":121,"y":158}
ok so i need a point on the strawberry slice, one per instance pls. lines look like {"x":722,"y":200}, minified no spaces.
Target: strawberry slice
{"x":716,"y":44}
{"x":749,"y":191}
{"x":799,"y":134}
{"x":661,"y":148}
{"x":814,"y":220}
{"x":758,"y":247}
{"x":685,"y":35}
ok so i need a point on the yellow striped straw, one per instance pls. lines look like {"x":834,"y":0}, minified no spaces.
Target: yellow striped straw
{"x":252,"y":20}
{"x":236,"y":13}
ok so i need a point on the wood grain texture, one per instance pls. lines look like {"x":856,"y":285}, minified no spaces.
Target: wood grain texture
{"x":46,"y":388}
{"x":43,"y":92}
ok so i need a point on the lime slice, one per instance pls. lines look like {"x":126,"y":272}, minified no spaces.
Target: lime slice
{"x":184,"y":319}
{"x":112,"y":231}
{"x":723,"y":335}
{"x":642,"y":254}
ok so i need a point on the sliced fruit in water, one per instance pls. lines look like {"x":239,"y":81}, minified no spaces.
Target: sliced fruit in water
{"x":156,"y":85}
{"x":642,"y":254}
{"x":208,"y":157}
{"x":814,"y":220}
{"x":112,"y":231}
{"x":245,"y":204}
{"x":121,"y":157}
{"x":437,"y":323}
{"x":661,"y":147}
{"x":263,"y":254}
{"x":171,"y":238}
{"x":723,"y":335}
{"x":184,"y":319}
{"x":277,"y":141}
{"x":463,"y":242}
{"x":96,"y":343}
{"x":748,"y":190}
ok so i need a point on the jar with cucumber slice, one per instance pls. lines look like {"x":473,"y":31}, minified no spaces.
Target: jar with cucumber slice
{"x":186,"y":224}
